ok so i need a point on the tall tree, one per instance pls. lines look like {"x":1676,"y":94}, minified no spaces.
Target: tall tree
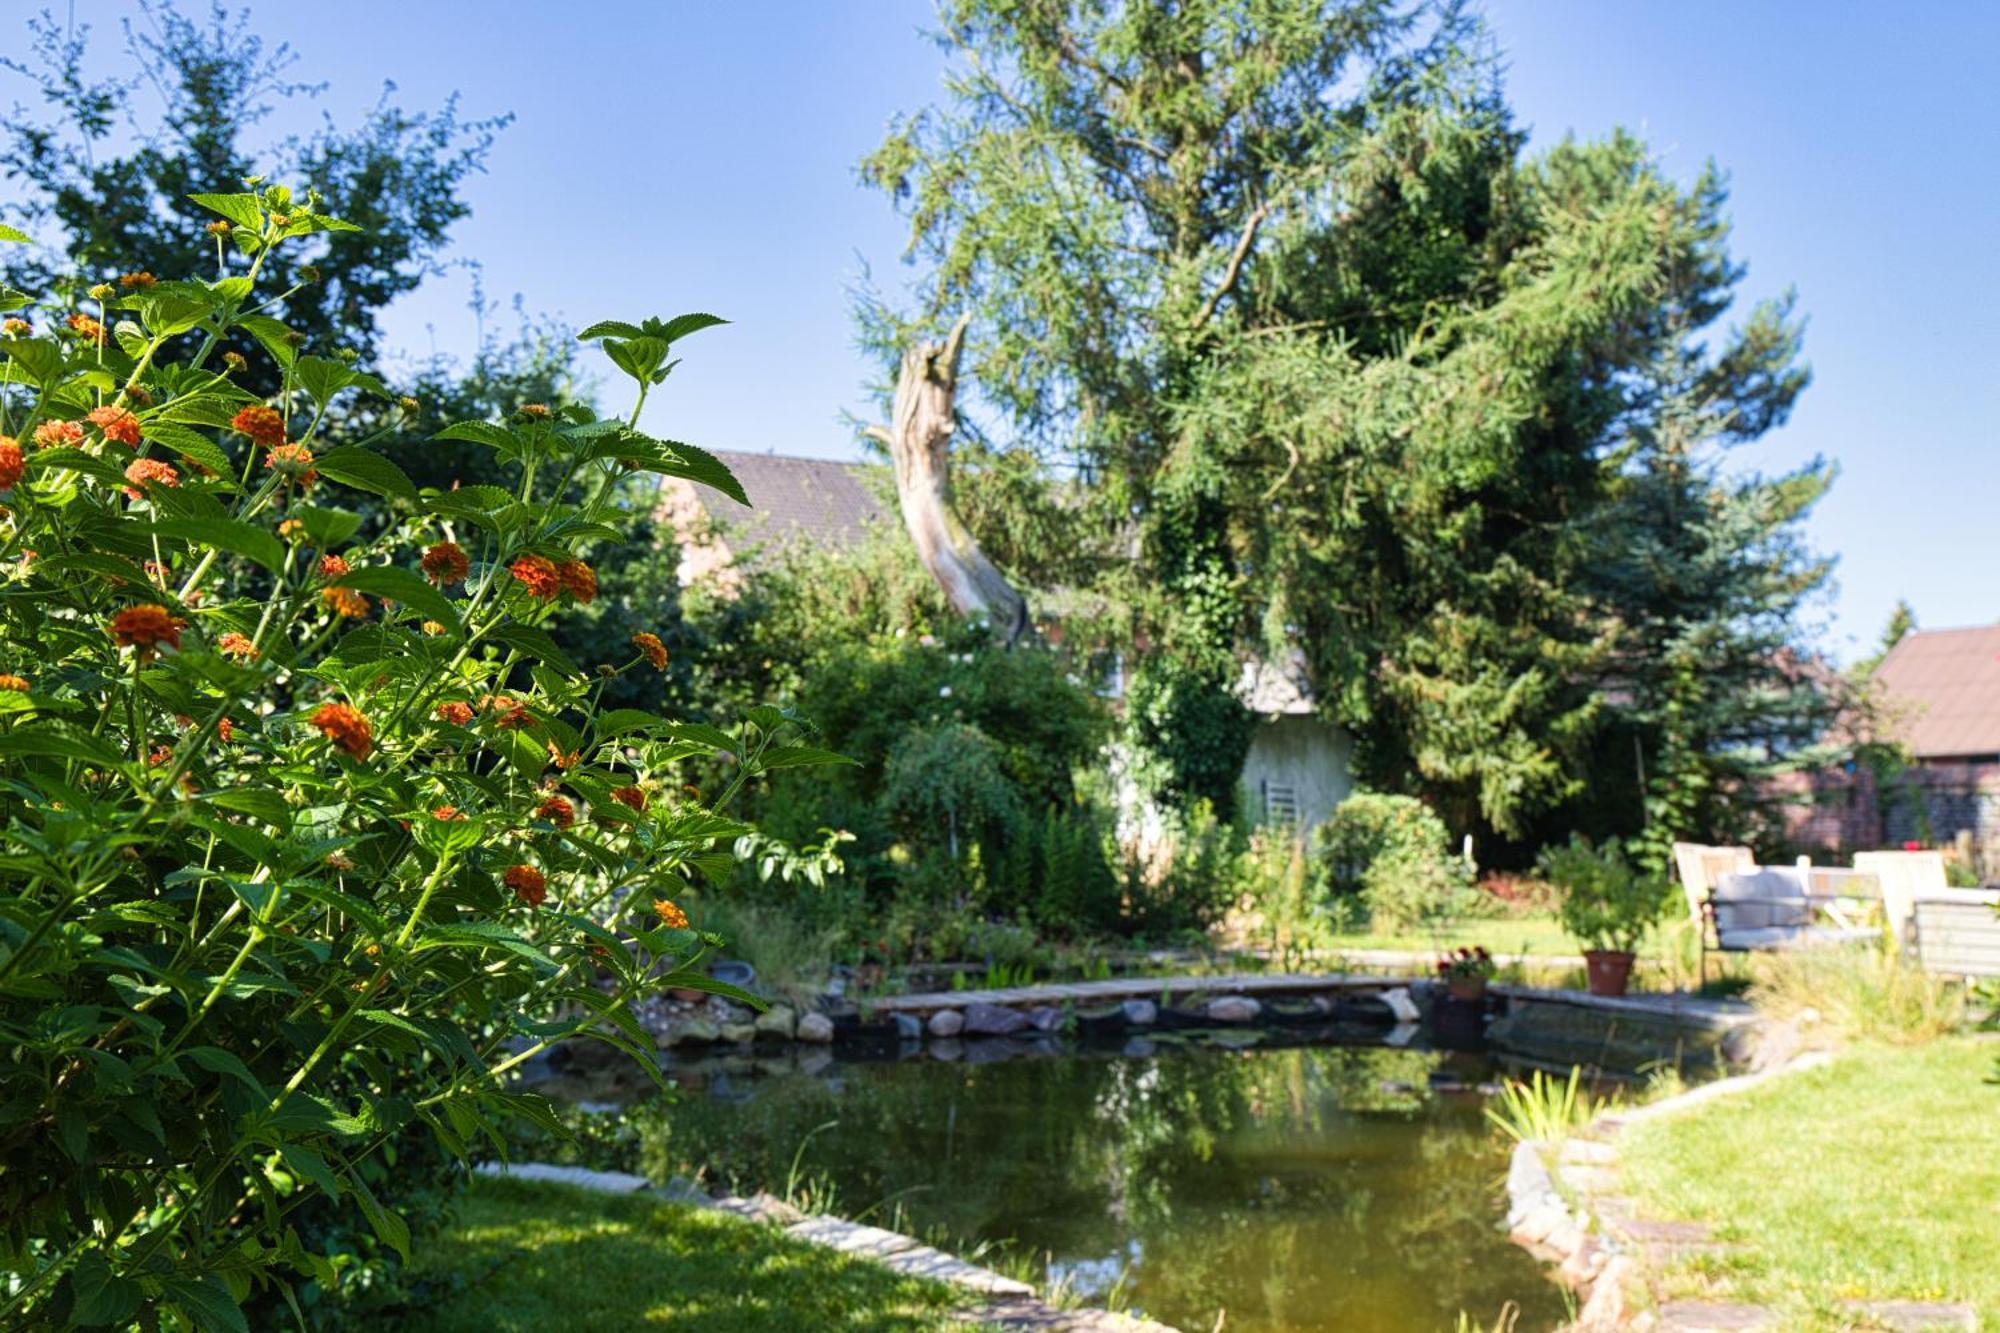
{"x":1282,"y":264}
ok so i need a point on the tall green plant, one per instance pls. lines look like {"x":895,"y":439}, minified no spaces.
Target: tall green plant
{"x":1608,"y":902}
{"x":311,"y":838}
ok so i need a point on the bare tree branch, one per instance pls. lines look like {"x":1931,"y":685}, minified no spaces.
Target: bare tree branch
{"x":1235,"y":268}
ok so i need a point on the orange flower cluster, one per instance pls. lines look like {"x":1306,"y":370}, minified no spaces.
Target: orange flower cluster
{"x":632,"y":798}
{"x":19,"y":684}
{"x":344,"y":726}
{"x":345,"y":603}
{"x":51,"y":434}
{"x":670,"y":913}
{"x":578,"y":580}
{"x":116,"y":423}
{"x":445,"y":563}
{"x":557,"y":810}
{"x":293,"y":462}
{"x":146,"y":628}
{"x":143,"y":282}
{"x":233,"y":644}
{"x":333,"y":566}
{"x":12,"y":465}
{"x":264,"y":425}
{"x":538,"y":575}
{"x":507,"y":712}
{"x":457,"y":713}
{"x":88,"y":327}
{"x":447,"y":813}
{"x":536,"y":411}
{"x":226,"y":729}
{"x":530,"y":885}
{"x":16,"y":328}
{"x":149,"y":470}
{"x":650,"y":645}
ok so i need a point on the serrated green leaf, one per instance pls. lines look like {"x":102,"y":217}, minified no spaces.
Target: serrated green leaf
{"x":100,"y":1296}
{"x":227,"y":534}
{"x":15,"y":234}
{"x":537,"y":644}
{"x":310,"y":1165}
{"x":176,"y":438}
{"x":57,"y":743}
{"x":406,"y":587}
{"x":800,"y":756}
{"x":272,"y":335}
{"x":208,"y":1304}
{"x":218,"y":1061}
{"x":366,"y":470}
{"x":241,"y":209}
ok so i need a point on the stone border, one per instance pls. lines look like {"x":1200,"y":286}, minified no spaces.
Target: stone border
{"x":1004,"y":1302}
{"x":1573,"y":1217}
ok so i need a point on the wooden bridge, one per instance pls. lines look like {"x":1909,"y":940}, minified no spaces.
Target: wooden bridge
{"x":1133,"y":988}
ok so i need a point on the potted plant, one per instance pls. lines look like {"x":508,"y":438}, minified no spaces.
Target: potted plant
{"x":1608,"y":905}
{"x":1465,"y":972}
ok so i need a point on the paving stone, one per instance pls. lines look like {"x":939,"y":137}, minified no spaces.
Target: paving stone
{"x":851,"y":1237}
{"x":1589,"y":1179}
{"x":1712,"y":1317}
{"x":1919,"y":1316}
{"x":923,"y":1261}
{"x":1586,"y":1152}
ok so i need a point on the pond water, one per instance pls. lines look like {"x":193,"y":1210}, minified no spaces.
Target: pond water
{"x":1306,"y":1188}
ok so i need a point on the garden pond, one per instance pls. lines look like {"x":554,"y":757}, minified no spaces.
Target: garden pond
{"x":1295,"y":1188}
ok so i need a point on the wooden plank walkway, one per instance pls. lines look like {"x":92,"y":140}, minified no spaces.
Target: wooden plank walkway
{"x":1132,"y":988}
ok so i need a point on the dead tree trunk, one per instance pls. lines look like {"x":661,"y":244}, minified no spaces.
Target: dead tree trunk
{"x":919,"y":434}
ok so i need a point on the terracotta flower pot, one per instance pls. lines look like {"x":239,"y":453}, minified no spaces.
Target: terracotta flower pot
{"x":1466,"y":988}
{"x":1610,"y":970}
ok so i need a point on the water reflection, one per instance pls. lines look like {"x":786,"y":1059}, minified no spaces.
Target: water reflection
{"x":1296,"y":1189}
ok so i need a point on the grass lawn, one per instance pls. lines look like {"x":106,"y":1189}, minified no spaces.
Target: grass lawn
{"x":539,"y":1257}
{"x":1876,"y":1177}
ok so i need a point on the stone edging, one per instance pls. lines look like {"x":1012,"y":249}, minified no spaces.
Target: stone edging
{"x":1005,"y":1302}
{"x":1573,"y":1217}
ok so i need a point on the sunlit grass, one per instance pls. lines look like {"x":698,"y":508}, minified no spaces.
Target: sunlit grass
{"x":1874,"y":1178}
{"x":536,"y":1257}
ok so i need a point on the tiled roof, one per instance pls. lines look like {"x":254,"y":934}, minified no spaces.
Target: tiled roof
{"x":821,"y":500}
{"x":1943,"y":688}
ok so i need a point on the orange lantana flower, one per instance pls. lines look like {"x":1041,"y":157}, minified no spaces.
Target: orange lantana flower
{"x":530,"y":885}
{"x":146,"y":628}
{"x":88,"y":327}
{"x":12,"y":465}
{"x":538,"y":575}
{"x":116,"y":423}
{"x":236,"y":645}
{"x":19,"y":684}
{"x":447,"y":813}
{"x":345,"y":602}
{"x":650,"y":645}
{"x":557,"y":810}
{"x":293,"y":462}
{"x":578,"y":580}
{"x":53,"y":433}
{"x":445,"y":563}
{"x":456,"y":713}
{"x":632,"y":798}
{"x":345,"y":727}
{"x":671,"y":915}
{"x":333,"y":566}
{"x":264,"y":425}
{"x":507,"y":712}
{"x":145,"y":471}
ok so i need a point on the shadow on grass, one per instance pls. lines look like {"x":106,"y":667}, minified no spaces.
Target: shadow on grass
{"x":537,"y":1257}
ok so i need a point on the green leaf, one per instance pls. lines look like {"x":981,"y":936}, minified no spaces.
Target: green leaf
{"x":618,"y":721}
{"x":48,"y":741}
{"x":240,"y":209}
{"x":273,"y":336}
{"x":703,"y":734}
{"x":327,"y":527}
{"x":689,"y":979}
{"x":39,"y":358}
{"x":536,"y":644}
{"x":208,"y":1303}
{"x":168,"y":312}
{"x":366,"y":470}
{"x":227,"y":534}
{"x":306,"y":1163}
{"x":262,"y":802}
{"x":680,"y":326}
{"x":218,"y":1061}
{"x":15,"y":234}
{"x":481,"y":432}
{"x":100,"y":1296}
{"x":322,"y":377}
{"x":174,"y":437}
{"x":610,"y":328}
{"x":482,"y":935}
{"x":407,"y":587}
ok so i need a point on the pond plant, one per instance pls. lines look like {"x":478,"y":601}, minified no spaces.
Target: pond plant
{"x":311,"y":832}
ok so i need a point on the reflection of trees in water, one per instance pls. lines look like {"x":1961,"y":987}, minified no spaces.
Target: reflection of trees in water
{"x":1291,"y":1186}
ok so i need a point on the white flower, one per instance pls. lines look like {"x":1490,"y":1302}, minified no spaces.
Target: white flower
{"x":944,"y":691}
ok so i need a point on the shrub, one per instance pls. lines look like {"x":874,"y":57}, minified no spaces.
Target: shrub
{"x":1394,"y":854}
{"x":944,"y":790}
{"x":309,"y":838}
{"x":1608,"y":903}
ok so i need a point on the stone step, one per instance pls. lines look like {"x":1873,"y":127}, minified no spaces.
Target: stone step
{"x":604,"y":1182}
{"x":1713,"y":1317}
{"x":1919,"y":1316}
{"x":923,"y":1261}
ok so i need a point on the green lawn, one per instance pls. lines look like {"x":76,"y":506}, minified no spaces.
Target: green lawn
{"x":1874,"y":1178}
{"x":536,"y":1258}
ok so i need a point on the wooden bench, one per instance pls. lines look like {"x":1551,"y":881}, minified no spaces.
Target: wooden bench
{"x":1956,"y":932}
{"x":1777,"y":908}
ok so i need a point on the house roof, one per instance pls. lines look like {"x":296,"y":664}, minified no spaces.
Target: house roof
{"x":820,"y":499}
{"x":1943,"y":689}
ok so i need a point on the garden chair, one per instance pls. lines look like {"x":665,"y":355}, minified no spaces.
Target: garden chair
{"x":1698,"y":866}
{"x":1778,"y":908}
{"x":1956,"y":932}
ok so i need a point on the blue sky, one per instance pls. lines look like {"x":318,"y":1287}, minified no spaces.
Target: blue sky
{"x":675,"y":156}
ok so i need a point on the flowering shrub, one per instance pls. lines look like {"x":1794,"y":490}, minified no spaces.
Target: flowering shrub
{"x":1467,"y":964}
{"x":309,"y":840}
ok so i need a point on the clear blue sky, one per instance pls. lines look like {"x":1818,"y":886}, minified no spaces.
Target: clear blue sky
{"x":673,"y":156}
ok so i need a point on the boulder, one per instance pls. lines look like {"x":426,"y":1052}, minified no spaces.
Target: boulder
{"x":692,"y":1032}
{"x":1233,"y":1009}
{"x":947,"y":1023}
{"x":992,"y":1020}
{"x":908,"y":1028}
{"x":946,"y":1049}
{"x":1046,"y":1019}
{"x":777,"y":1021}
{"x":742,"y":1034}
{"x":1141,"y":1013}
{"x":815,"y":1028}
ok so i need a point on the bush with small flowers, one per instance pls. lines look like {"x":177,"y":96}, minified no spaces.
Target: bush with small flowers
{"x":310,"y":838}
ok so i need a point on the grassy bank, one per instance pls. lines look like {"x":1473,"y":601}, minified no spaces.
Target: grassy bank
{"x":1876,"y":1177}
{"x":536,"y":1257}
